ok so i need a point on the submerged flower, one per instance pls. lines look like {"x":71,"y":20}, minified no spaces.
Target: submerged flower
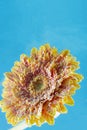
{"x":39,"y":86}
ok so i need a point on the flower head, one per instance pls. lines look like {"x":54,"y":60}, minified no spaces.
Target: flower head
{"x":38,"y":86}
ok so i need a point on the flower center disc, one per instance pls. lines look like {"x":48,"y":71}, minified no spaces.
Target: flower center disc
{"x":38,"y":84}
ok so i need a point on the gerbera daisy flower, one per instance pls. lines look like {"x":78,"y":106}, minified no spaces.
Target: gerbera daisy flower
{"x":39,"y":86}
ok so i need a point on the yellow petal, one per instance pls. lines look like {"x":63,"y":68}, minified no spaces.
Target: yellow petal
{"x":50,"y":120}
{"x":38,"y":122}
{"x":23,"y":56}
{"x":32,"y":120}
{"x":42,"y":119}
{"x":52,"y":111}
{"x":54,"y":51}
{"x":61,"y":108}
{"x":78,"y":77}
{"x":72,"y":91}
{"x":68,"y":100}
{"x":47,"y":46}
{"x":64,"y":53}
{"x":76,"y":85}
{"x":34,"y":52}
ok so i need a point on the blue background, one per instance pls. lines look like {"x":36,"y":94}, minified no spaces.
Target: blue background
{"x":30,"y":23}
